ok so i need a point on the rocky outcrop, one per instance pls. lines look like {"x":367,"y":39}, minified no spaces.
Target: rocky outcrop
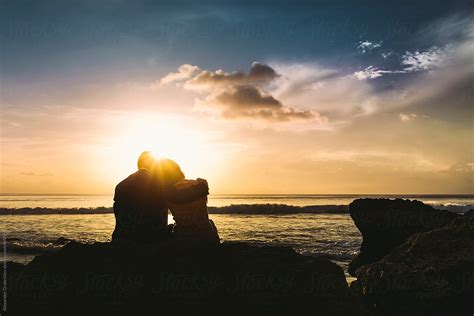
{"x":432,"y":273}
{"x":232,"y":278}
{"x":386,"y":224}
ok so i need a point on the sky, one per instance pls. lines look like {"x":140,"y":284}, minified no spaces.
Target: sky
{"x":257,"y":97}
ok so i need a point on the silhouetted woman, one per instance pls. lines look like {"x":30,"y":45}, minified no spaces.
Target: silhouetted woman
{"x":192,"y":224}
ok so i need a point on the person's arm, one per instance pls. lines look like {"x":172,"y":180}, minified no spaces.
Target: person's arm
{"x":186,"y":194}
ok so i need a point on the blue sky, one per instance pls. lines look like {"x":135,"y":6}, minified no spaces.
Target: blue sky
{"x":64,"y":40}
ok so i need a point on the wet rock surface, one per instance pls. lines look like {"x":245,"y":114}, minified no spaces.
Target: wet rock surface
{"x":232,"y":278}
{"x":387,"y":223}
{"x":432,"y":273}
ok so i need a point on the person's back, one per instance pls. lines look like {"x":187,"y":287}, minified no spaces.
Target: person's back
{"x":140,"y":209}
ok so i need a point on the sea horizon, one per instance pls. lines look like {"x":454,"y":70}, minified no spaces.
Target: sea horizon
{"x":262,"y":194}
{"x":72,"y":201}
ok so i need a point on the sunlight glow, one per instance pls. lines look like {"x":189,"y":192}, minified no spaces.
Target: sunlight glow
{"x":165,"y":137}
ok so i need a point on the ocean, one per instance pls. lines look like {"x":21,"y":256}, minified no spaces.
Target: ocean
{"x":330,"y":235}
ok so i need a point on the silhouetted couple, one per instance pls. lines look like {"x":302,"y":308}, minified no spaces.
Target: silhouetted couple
{"x":142,"y":200}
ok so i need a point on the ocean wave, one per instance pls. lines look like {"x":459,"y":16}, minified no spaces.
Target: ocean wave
{"x":247,"y":209}
{"x":254,"y":209}
{"x":34,"y":247}
{"x":266,"y":209}
{"x":50,"y":210}
{"x":453,"y":207}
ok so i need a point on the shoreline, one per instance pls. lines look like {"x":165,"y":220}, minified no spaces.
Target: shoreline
{"x":247,"y":209}
{"x":244,"y":209}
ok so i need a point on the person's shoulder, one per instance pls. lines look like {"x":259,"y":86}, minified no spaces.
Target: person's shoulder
{"x":132,"y":183}
{"x":141,"y":173}
{"x":186,"y":183}
{"x":137,"y":176}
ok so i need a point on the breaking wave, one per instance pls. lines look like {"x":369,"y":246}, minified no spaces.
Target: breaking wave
{"x":249,"y":209}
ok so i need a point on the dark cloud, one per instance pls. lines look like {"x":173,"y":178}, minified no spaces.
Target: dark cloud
{"x":238,"y":94}
{"x":262,"y":72}
{"x":258,"y":73}
{"x":247,"y":96}
{"x":248,"y":101}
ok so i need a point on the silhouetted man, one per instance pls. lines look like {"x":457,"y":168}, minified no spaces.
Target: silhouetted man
{"x":140,"y":203}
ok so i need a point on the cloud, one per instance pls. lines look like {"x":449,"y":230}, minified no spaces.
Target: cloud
{"x":262,"y":72}
{"x":386,"y":55}
{"x":429,"y":59}
{"x":249,"y":101}
{"x":184,"y":72}
{"x":370,"y":72}
{"x":456,"y":33}
{"x":367,"y":46}
{"x":426,"y":60}
{"x":282,"y":91}
{"x":247,"y":96}
{"x":330,"y":92}
{"x":454,"y":28}
{"x":446,"y":89}
{"x":460,"y":169}
{"x":237,"y":95}
{"x":438,"y":85}
{"x":407,"y":117}
{"x":299,"y":78}
{"x":258,"y":73}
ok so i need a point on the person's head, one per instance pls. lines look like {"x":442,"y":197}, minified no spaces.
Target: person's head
{"x":146,"y":160}
{"x":168,"y":171}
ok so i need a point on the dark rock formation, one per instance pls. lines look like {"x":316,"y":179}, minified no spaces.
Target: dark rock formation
{"x":432,"y":273}
{"x":62,"y":241}
{"x":386,"y":224}
{"x":232,"y":278}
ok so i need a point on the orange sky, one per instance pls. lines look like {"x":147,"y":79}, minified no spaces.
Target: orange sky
{"x":63,"y":149}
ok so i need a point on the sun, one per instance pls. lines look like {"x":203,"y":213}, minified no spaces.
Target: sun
{"x":165,"y":137}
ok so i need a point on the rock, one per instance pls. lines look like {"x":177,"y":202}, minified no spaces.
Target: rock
{"x":432,"y":273}
{"x":387,"y":223}
{"x":13,"y":267}
{"x":232,"y":278}
{"x":62,"y":241}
